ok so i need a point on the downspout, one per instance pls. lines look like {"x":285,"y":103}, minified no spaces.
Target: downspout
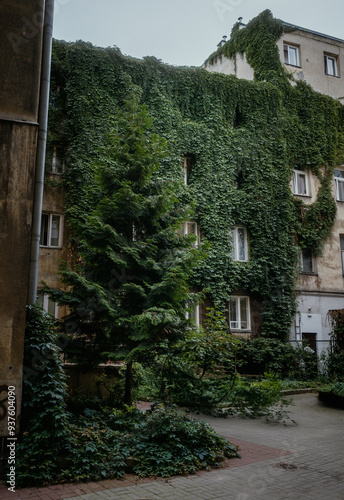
{"x":41,"y":147}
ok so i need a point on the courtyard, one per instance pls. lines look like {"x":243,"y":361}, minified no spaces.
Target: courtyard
{"x":301,"y":460}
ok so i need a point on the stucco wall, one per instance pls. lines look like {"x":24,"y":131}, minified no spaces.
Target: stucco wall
{"x":20,"y":58}
{"x":312,"y":70}
{"x":238,"y":66}
{"x":20,"y":62}
{"x":17,"y":160}
{"x":328,"y":274}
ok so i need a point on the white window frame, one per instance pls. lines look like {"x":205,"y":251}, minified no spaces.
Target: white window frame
{"x":338,"y":180}
{"x":45,"y":304}
{"x":333,"y":59}
{"x":296,"y":175}
{"x":194,"y":314}
{"x":235,"y":244}
{"x":288,"y":50}
{"x":57,"y":164}
{"x":185,"y":230}
{"x":237,"y":324}
{"x":49,"y":231}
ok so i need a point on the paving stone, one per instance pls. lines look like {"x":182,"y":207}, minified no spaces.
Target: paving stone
{"x":315,"y":446}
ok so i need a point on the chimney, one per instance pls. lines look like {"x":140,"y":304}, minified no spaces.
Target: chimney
{"x":223,"y":41}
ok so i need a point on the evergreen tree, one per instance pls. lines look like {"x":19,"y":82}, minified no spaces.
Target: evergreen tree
{"x":130,"y":279}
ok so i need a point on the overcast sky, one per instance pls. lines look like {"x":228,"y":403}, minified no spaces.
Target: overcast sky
{"x":181,"y":32}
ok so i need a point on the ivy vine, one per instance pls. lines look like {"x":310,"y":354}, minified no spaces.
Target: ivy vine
{"x":244,"y":138}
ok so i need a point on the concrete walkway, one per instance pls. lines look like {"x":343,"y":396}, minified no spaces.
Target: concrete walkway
{"x":296,"y":462}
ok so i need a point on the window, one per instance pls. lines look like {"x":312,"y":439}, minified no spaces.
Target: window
{"x":339,"y":180}
{"x":193,"y":315}
{"x":57,"y":162}
{"x":307,"y":261}
{"x":51,"y":230}
{"x":291,"y":54}
{"x":47,"y":304}
{"x":189,"y":228}
{"x":239,"y":313}
{"x":239,"y":244}
{"x":331,"y":65}
{"x":187,"y":161}
{"x":300,"y":183}
{"x":341,"y":238}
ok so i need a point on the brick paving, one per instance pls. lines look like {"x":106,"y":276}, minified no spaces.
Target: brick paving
{"x":294,"y":462}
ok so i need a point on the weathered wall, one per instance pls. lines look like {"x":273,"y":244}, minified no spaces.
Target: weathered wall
{"x":238,"y":66}
{"x":20,"y":62}
{"x":50,"y":258}
{"x":312,"y":48}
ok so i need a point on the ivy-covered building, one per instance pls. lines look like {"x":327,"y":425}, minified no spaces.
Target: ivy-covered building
{"x":316,"y":59}
{"x":259,"y":158}
{"x":308,"y":55}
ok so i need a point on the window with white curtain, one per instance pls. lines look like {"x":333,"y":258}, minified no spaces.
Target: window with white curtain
{"x":331,"y":65}
{"x":193,"y":315}
{"x":47,"y":304}
{"x":187,"y":160}
{"x":300,"y":183}
{"x":239,"y":313}
{"x":291,"y":54}
{"x":239,"y":244}
{"x":190,"y":228}
{"x":339,"y":182}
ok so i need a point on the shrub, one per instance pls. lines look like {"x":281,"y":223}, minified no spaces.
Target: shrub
{"x":168,"y":442}
{"x":257,"y":399}
{"x":44,"y":422}
{"x":160,"y":442}
{"x":261,"y":355}
{"x":94,"y":451}
{"x":57,"y":446}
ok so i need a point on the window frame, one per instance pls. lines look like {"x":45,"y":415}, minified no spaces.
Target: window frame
{"x":296,"y":174}
{"x":45,"y":304}
{"x":57,"y":163}
{"x":193,"y":314}
{"x":286,"y":47}
{"x":341,"y":246}
{"x":337,"y":181}
{"x":237,"y":299}
{"x":49,"y":230}
{"x":334,"y":59}
{"x":184,"y":232}
{"x":187,"y":160}
{"x":302,"y":261}
{"x":235,"y":251}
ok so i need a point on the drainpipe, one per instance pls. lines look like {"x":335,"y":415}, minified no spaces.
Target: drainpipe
{"x":41,"y":147}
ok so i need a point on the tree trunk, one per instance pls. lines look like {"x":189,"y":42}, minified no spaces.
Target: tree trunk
{"x":128,"y":384}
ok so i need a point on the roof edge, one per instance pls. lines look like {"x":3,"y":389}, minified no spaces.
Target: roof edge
{"x":322,"y":35}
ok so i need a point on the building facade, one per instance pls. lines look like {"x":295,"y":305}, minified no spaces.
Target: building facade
{"x":318,"y":60}
{"x":308,"y":56}
{"x":226,"y":146}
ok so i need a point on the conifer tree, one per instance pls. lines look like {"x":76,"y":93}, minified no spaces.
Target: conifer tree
{"x":130,"y":281}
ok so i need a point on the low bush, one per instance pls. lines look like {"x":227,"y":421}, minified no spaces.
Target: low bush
{"x":167,"y":442}
{"x":161,"y":442}
{"x":260,"y":355}
{"x":263,"y":398}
